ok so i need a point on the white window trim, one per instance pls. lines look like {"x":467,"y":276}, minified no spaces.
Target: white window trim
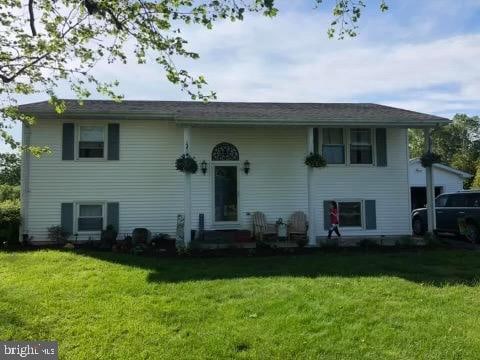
{"x":77,"y":213}
{"x":362,"y":214}
{"x":77,"y":142}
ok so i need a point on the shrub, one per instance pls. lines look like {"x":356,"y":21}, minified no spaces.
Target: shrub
{"x":57,"y":234}
{"x":109,"y":235}
{"x":140,"y":236}
{"x":315,"y":161}
{"x":186,"y":163}
{"x":9,"y":192}
{"x":124,"y":245}
{"x":10,"y":220}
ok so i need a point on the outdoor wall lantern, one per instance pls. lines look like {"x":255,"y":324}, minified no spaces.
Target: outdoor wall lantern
{"x":204,"y":167}
{"x":246,"y":166}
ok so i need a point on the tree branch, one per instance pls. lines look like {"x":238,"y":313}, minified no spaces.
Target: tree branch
{"x":32,"y":18}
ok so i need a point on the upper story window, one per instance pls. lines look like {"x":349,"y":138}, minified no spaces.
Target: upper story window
{"x":361,"y":146}
{"x":90,"y":217}
{"x":333,"y":147}
{"x":91,"y":142}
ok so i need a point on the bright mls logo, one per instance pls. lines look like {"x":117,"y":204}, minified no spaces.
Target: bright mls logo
{"x":35,"y":350}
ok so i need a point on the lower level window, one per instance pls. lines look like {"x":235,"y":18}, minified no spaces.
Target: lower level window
{"x":350,"y":213}
{"x":90,"y":217}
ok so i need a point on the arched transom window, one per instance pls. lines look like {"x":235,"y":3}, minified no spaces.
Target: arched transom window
{"x":225,"y":152}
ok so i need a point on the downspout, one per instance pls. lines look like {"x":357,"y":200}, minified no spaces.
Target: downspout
{"x":25,"y":182}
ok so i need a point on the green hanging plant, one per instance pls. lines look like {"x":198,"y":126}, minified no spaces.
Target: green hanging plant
{"x":315,"y":161}
{"x":429,"y":158}
{"x":186,"y":164}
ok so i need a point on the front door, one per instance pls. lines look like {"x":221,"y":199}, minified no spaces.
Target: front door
{"x":225,"y":194}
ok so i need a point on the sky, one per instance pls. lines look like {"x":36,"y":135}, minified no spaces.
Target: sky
{"x":419,"y":55}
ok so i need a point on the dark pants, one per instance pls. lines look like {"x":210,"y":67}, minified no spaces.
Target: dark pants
{"x":333,"y":227}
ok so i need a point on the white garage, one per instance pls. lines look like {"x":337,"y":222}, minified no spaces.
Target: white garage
{"x":445,"y":179}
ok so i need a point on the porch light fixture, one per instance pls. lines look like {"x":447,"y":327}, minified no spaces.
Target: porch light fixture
{"x":246,"y":167}
{"x":203,"y":167}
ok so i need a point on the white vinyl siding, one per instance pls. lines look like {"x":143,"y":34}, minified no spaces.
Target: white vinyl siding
{"x":144,"y":180}
{"x":151,"y":191}
{"x":388,"y":186}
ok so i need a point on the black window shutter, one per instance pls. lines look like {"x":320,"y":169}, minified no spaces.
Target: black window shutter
{"x":370,"y":215}
{"x":315,"y":140}
{"x":113,"y":142}
{"x":66,"y":217}
{"x":113,"y":215}
{"x":68,"y":141}
{"x":326,"y":214}
{"x":381,"y":142}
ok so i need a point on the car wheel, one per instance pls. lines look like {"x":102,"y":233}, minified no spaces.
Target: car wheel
{"x":471,"y":233}
{"x":417,"y":226}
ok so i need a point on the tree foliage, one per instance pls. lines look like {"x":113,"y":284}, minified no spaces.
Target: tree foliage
{"x":458,"y":143}
{"x":44,"y":42}
{"x":10,"y":169}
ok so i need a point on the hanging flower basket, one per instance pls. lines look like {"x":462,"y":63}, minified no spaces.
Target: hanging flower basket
{"x":429,"y":158}
{"x":186,"y":164}
{"x":315,"y":161}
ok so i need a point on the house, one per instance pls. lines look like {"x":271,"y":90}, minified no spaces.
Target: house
{"x":446,"y":179}
{"x":114,"y":163}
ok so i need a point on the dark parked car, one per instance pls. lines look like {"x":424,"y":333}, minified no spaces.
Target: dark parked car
{"x":451,"y":208}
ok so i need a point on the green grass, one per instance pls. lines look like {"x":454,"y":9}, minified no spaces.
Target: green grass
{"x":417,"y":305}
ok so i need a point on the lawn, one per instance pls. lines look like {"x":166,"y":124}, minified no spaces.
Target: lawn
{"x":423,"y":305}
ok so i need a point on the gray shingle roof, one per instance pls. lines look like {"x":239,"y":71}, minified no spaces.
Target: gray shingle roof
{"x":247,"y":113}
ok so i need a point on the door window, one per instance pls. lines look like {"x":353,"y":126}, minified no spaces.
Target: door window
{"x":226,"y":204}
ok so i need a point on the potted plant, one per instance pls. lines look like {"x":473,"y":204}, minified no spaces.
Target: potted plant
{"x":429,"y":158}
{"x":315,"y":161}
{"x":187,"y":164}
